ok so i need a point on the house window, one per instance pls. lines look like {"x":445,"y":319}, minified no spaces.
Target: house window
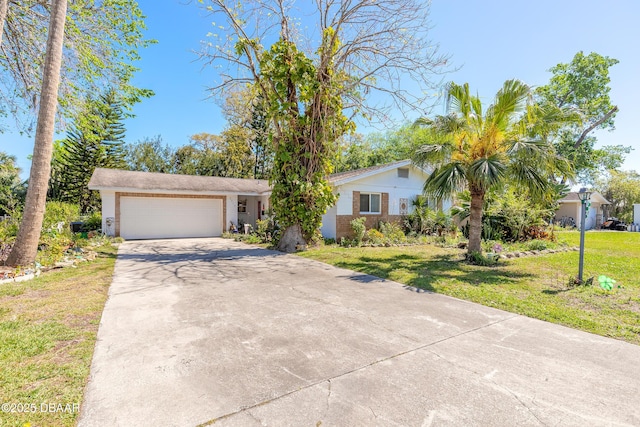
{"x":403,"y":172}
{"x":370,"y":203}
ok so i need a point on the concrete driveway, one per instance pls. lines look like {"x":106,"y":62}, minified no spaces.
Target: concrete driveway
{"x":213,"y":332}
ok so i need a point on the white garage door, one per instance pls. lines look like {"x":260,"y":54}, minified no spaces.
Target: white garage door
{"x":159,"y":218}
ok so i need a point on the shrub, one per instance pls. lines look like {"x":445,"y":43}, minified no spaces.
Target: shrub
{"x":359,"y":229}
{"x":263,"y":230}
{"x":537,"y":245}
{"x":93,"y":222}
{"x":374,"y":236}
{"x":59,"y":212}
{"x":329,"y":241}
{"x":392,"y":232}
{"x":478,"y":258}
{"x":9,"y":228}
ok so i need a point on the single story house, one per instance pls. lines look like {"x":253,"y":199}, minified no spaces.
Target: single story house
{"x":144,"y":205}
{"x":378,"y":193}
{"x":569,"y":210}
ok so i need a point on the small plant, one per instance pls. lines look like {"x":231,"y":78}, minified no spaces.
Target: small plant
{"x":328,"y":241}
{"x":359,"y":229}
{"x":93,"y":222}
{"x":477,"y":258}
{"x":374,"y":237}
{"x":536,"y":245}
{"x":392,"y":232}
{"x":263,"y":230}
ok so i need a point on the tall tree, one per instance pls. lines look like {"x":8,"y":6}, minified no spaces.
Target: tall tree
{"x":622,"y":189}
{"x":312,"y":87}
{"x":583,"y":87}
{"x":101,"y":43}
{"x":150,"y":155}
{"x":478,"y":149}
{"x":26,"y":244}
{"x":96,"y":139}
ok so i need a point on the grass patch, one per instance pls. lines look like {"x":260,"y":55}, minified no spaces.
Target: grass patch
{"x":48,"y":329}
{"x":536,"y":286}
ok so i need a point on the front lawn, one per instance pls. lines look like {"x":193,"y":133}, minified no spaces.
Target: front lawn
{"x":535,"y":286}
{"x":48,"y":330}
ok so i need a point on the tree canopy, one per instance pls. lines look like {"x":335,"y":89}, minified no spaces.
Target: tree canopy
{"x":95,"y":140}
{"x":101,"y":43}
{"x":582,"y":87}
{"x":478,"y":149}
{"x":313,"y":84}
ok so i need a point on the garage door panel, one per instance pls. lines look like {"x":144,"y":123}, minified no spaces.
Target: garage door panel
{"x":164,"y":217}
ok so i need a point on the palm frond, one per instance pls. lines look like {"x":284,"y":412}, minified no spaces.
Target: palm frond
{"x":458,"y":98}
{"x":527,"y":147}
{"x":510,"y":99}
{"x":431,"y":154}
{"x":446,"y":180}
{"x":530,"y":177}
{"x":423,"y":122}
{"x":487,"y":171}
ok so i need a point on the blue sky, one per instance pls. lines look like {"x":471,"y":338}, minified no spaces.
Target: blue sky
{"x":489,"y":40}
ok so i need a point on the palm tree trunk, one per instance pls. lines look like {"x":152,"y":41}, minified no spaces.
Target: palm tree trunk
{"x":26,"y":245}
{"x":475,"y":221}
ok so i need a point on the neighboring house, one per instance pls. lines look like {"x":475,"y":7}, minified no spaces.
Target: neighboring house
{"x":570,"y":209}
{"x":144,"y":205}
{"x":379,"y":193}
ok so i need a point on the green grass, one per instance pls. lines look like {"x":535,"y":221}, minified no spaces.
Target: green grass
{"x":537,"y":286}
{"x":48,"y":330}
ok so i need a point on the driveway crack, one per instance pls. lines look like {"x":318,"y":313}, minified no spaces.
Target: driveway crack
{"x":357,"y":369}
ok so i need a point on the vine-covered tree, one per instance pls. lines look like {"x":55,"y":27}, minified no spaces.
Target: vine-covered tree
{"x":95,"y":140}
{"x":582,"y":86}
{"x":313,"y":86}
{"x":478,"y":149}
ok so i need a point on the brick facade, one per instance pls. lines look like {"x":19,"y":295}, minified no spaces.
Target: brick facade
{"x":343,"y":222}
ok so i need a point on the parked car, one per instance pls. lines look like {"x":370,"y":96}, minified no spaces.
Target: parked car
{"x":614,"y":224}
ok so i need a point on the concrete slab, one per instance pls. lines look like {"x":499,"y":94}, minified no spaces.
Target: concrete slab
{"x":209,"y":331}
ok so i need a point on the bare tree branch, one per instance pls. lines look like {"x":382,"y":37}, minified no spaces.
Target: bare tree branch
{"x":597,"y":123}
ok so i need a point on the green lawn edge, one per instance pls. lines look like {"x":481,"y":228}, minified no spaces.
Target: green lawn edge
{"x":534,"y":286}
{"x":48,"y":330}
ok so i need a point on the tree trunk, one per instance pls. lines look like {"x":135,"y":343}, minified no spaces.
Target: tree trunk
{"x":475,"y":221}
{"x":26,"y":246}
{"x":292,"y":239}
{"x":4,"y":7}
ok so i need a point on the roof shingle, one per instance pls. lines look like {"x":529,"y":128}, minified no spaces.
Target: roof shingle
{"x":134,"y":180}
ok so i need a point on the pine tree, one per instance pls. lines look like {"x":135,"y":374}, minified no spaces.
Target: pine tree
{"x":96,"y":139}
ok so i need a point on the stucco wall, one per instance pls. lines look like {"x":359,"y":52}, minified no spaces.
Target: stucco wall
{"x":108,"y":211}
{"x":336,"y":223}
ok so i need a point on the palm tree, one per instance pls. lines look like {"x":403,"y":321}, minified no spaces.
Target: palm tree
{"x":26,"y":245}
{"x":477,"y":150}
